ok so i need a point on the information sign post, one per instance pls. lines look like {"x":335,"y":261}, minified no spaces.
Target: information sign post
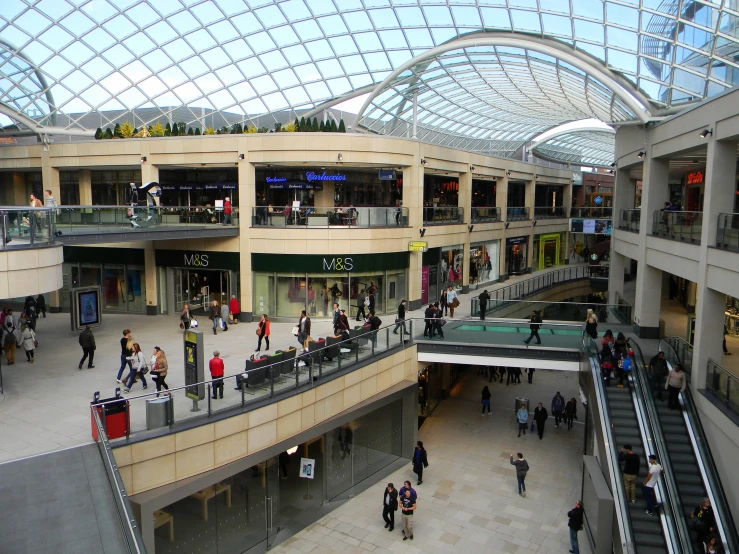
{"x":194,"y":366}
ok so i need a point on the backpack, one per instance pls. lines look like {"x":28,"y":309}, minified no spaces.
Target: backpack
{"x":9,"y":338}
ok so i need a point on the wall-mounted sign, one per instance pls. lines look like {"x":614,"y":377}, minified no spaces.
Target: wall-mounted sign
{"x":86,"y":306}
{"x":337,"y":264}
{"x":198,"y":260}
{"x":516,"y":240}
{"x":418,"y":246}
{"x":194,"y":364}
{"x":591,"y":226}
{"x":312,"y":176}
{"x":598,"y":200}
{"x":695,"y":178}
{"x":285,"y":184}
{"x":317,"y":263}
{"x":386,"y":175}
{"x":276,"y":179}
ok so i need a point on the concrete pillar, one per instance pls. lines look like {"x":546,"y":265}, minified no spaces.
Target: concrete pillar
{"x":413,"y":200}
{"x":16,"y":196}
{"x":85,"y":187}
{"x":50,"y":179}
{"x":247,"y":203}
{"x":623,"y":199}
{"x":649,"y":279}
{"x":465,"y":202}
{"x":616,"y":276}
{"x":501,"y":201}
{"x":718,"y":197}
{"x":150,"y":274}
{"x":567,"y":198}
{"x":324,"y":198}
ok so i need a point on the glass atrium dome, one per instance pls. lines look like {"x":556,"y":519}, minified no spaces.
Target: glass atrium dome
{"x":484,"y":75}
{"x":592,"y":147}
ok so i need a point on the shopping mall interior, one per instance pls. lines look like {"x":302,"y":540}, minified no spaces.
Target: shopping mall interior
{"x":410,"y":234}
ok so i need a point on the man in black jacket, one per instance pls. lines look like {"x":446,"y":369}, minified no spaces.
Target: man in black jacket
{"x":484,"y":297}
{"x":631,"y":470}
{"x":400,"y":321}
{"x":575,"y":524}
{"x":657,"y":373}
{"x":540,"y":417}
{"x":428,"y":314}
{"x":389,"y":506}
{"x":87,"y":342}
{"x":375,"y":323}
{"x":535,"y":322}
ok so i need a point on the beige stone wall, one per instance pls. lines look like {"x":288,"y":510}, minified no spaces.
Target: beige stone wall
{"x":30,"y":272}
{"x":156,"y":462}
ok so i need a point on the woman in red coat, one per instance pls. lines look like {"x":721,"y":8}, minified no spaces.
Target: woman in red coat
{"x":233,"y":307}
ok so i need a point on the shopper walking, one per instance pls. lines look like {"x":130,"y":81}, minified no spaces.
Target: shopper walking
{"x":451,"y":300}
{"x":650,"y":481}
{"x":227,"y":211}
{"x":336,"y":316}
{"x":530,"y":373}
{"x":389,"y":506}
{"x":217,"y":370}
{"x":438,"y":322}
{"x":658,"y":370}
{"x":361,"y":297}
{"x":159,"y":369}
{"x":522,"y":468}
{"x":443,"y":304}
{"x":87,"y":342}
{"x":224,"y":315}
{"x":400,"y":321}
{"x":483,"y":298}
{"x":420,"y":461}
{"x":263,"y":332}
{"x":486,"y":399}
{"x":407,"y":487}
{"x":29,"y":342}
{"x":558,"y":408}
{"x":408,"y":508}
{"x":675,"y":384}
{"x":215,"y":316}
{"x":235,"y":309}
{"x":138,"y":368}
{"x":630,"y":471}
{"x":570,"y":412}
{"x":575,"y":516}
{"x":591,"y":324}
{"x":41,"y":303}
{"x":9,"y":342}
{"x":126,"y":353}
{"x":185,"y":317}
{"x":535,"y":323}
{"x":703,"y":521}
{"x":428,"y":315}
{"x":522,"y":416}
{"x":540,"y":417}
{"x":303,"y":328}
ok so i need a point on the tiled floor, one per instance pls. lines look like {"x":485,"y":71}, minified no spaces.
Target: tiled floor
{"x":468,"y":500}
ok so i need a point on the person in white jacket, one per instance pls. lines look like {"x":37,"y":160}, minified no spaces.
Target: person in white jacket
{"x":29,"y":342}
{"x":139,"y":368}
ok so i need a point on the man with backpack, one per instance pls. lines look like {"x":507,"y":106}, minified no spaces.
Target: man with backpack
{"x":361,"y":299}
{"x":375,"y":323}
{"x":9,"y":342}
{"x":484,"y":297}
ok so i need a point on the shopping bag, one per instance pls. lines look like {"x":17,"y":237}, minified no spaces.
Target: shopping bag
{"x":295,"y":331}
{"x":532,"y":427}
{"x":193,"y":324}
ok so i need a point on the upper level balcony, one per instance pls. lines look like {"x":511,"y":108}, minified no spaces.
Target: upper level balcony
{"x":680,"y":226}
{"x":592,"y":212}
{"x":96,"y":224}
{"x":517,"y":214}
{"x":727,"y":234}
{"x":550,"y":212}
{"x":629,"y":220}
{"x":325,"y":216}
{"x":443,"y":215}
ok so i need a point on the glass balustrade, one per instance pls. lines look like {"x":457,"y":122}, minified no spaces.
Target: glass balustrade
{"x":550,"y":212}
{"x":484,"y":214}
{"x":329,"y":216}
{"x":724,"y":385}
{"x":629,"y":220}
{"x":727,"y":234}
{"x":681,"y":226}
{"x":517,"y":214}
{"x":443,"y":215}
{"x":27,"y":227}
{"x":591,"y":212}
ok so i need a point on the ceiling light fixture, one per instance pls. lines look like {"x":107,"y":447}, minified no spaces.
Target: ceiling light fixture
{"x":613,"y":164}
{"x":143,"y":159}
{"x":424,"y":161}
{"x":471,"y":227}
{"x":640,"y":155}
{"x":509,"y":173}
{"x":341,"y":157}
{"x":472,"y":168}
{"x":423,"y":232}
{"x":241,"y":156}
{"x":705,"y":132}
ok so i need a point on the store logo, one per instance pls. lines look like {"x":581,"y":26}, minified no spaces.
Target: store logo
{"x":276,"y":179}
{"x":311,"y":176}
{"x":196,"y":260}
{"x":338,"y":264}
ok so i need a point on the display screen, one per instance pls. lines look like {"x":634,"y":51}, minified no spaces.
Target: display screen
{"x":191,"y":365}
{"x":591,"y":226}
{"x":88,"y":308}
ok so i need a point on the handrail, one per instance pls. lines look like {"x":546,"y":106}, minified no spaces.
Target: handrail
{"x":629,"y":220}
{"x":684,"y":351}
{"x":677,"y":225}
{"x":727,"y":232}
{"x":129,"y":525}
{"x":617,"y":485}
{"x":707,"y":466}
{"x":712,"y":384}
{"x":674,"y":521}
{"x":39,"y":223}
{"x":621,"y":301}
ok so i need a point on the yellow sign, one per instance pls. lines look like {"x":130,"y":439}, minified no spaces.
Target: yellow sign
{"x":418,"y":246}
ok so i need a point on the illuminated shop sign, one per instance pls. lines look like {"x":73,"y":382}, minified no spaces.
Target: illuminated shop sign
{"x":695,"y":178}
{"x":276,"y":179}
{"x":312,"y":176}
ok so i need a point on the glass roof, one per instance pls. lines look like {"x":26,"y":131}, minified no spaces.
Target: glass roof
{"x":252,"y":58}
{"x":585,"y":147}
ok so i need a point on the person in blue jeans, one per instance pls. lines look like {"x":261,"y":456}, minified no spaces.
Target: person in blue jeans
{"x":126,"y":351}
{"x":650,"y":481}
{"x":139,"y":368}
{"x":575,"y":516}
{"x":522,"y":468}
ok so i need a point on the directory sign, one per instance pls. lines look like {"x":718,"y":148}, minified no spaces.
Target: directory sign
{"x":86,"y":306}
{"x":194,"y":364}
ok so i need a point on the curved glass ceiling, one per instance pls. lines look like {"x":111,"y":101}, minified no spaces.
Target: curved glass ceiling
{"x":252,"y":58}
{"x":585,"y":147}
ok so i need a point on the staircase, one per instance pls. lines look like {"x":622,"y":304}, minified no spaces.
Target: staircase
{"x":647,"y":530}
{"x":684,"y":463}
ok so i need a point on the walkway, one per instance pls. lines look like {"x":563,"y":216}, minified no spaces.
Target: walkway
{"x":468,"y":500}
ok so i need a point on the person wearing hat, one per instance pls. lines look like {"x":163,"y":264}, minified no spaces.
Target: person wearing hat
{"x":484,"y":297}
{"x":87,"y":342}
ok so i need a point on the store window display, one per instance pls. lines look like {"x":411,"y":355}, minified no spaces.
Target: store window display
{"x":451,"y":266}
{"x":484,"y":262}
{"x":516,"y":255}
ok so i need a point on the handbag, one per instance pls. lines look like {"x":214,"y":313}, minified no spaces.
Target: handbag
{"x":182,"y":325}
{"x":295,"y":331}
{"x":455,"y":302}
{"x":699,"y":525}
{"x":532,"y":427}
{"x":442,"y":322}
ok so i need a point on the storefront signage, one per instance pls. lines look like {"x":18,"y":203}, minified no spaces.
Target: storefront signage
{"x":695,"y":178}
{"x":386,"y":175}
{"x":200,"y":186}
{"x":418,"y":246}
{"x":197,"y":259}
{"x":318,"y":263}
{"x":286,"y":184}
{"x":598,"y":200}
{"x":516,"y":240}
{"x":337,"y":264}
{"x":312,"y":176}
{"x":276,"y":179}
{"x":591,"y":226}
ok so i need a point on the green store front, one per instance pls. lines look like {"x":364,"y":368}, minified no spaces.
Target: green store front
{"x":284,"y":285}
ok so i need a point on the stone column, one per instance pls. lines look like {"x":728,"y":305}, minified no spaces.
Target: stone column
{"x":85,"y":187}
{"x":649,"y":279}
{"x":465,"y":202}
{"x":324,"y":198}
{"x":247,"y":203}
{"x":501,"y":201}
{"x":413,"y":200}
{"x":150,"y":272}
{"x":709,"y":310}
{"x":49,"y":177}
{"x":529,"y":203}
{"x":623,"y":199}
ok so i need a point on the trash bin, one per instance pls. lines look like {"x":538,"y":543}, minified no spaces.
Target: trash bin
{"x":520,"y":401}
{"x":114,"y":416}
{"x":159,"y":412}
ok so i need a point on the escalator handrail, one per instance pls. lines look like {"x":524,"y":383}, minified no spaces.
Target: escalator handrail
{"x":706,"y":464}
{"x":674,"y":513}
{"x":617,"y":484}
